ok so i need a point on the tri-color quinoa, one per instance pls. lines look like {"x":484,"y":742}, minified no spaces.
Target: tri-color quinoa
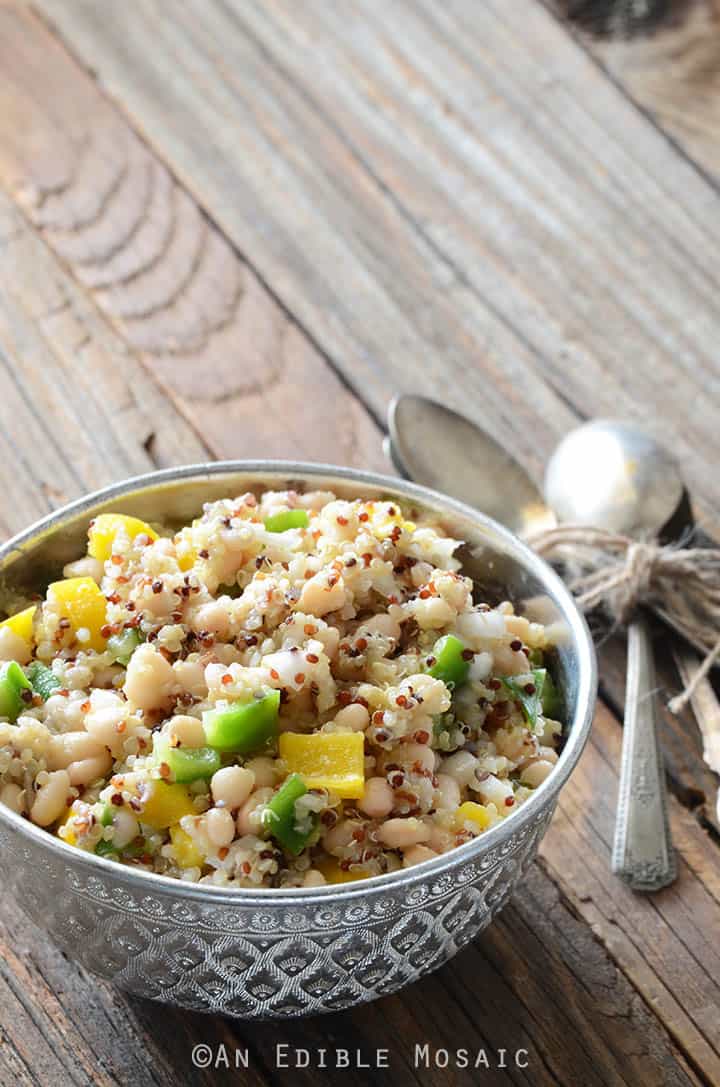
{"x":292,"y":690}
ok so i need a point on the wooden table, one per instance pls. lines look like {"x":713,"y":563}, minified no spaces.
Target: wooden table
{"x":236,"y":229}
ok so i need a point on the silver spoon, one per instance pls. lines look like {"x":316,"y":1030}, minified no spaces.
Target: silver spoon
{"x":610,"y":475}
{"x":613,"y":475}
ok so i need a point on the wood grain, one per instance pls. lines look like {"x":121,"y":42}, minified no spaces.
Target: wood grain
{"x":355,"y":196}
{"x":534,"y":264}
{"x":664,"y":942}
{"x":528,"y":982}
{"x":234,"y":361}
{"x":674,"y":75}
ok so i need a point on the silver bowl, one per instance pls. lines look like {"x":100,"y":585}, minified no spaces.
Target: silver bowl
{"x":283,"y":953}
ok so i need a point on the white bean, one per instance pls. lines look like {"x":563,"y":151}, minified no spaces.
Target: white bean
{"x":51,"y":799}
{"x":191,"y":677}
{"x":13,"y":796}
{"x":212,"y":617}
{"x":495,"y":791}
{"x":355,"y":716}
{"x":313,"y":878}
{"x":384,"y":625}
{"x":416,"y":854}
{"x":263,"y":770}
{"x":318,"y":598}
{"x":185,"y":731}
{"x":72,"y":747}
{"x":447,"y":794}
{"x":13,"y":647}
{"x":409,"y":754}
{"x":534,"y":774}
{"x":150,"y":679}
{"x":340,"y":835}
{"x":378,"y":799}
{"x":461,"y":766}
{"x":402,"y":833}
{"x":85,"y":567}
{"x":125,"y":826}
{"x":85,"y":771}
{"x":220,"y":826}
{"x":232,"y":785}
{"x":248,"y":821}
{"x":105,"y":726}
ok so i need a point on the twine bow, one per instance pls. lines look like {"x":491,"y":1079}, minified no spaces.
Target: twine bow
{"x":680,"y":584}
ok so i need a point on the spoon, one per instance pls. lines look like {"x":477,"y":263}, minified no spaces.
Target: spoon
{"x":614,"y":476}
{"x":606,"y":474}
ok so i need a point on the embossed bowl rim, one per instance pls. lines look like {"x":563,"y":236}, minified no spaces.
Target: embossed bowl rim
{"x":469,"y":854}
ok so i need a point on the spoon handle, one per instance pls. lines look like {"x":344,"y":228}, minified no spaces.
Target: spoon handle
{"x":643,"y":855}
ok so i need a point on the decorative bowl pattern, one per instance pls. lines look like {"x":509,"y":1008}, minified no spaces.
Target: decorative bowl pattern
{"x":291,"y":952}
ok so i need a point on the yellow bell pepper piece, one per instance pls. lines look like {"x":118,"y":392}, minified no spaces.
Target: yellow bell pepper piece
{"x":470,"y":812}
{"x":166,"y":805}
{"x":333,"y":873}
{"x":22,"y":623}
{"x":186,"y":852}
{"x":186,"y":560}
{"x":79,"y":600}
{"x":64,"y":832}
{"x":105,"y":527}
{"x":327,"y":760}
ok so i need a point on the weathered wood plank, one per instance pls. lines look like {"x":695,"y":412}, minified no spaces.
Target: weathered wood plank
{"x":77,"y":409}
{"x":228,"y":354}
{"x":664,"y":942}
{"x":540,"y":262}
{"x":674,"y":74}
{"x":535,"y":970}
{"x":525,"y":984}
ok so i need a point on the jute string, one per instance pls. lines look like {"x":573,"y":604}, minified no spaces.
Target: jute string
{"x":620,"y":574}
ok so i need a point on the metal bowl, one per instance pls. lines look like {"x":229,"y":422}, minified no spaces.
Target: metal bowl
{"x":282,"y":953}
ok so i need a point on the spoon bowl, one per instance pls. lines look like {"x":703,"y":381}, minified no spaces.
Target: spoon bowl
{"x":613,"y":475}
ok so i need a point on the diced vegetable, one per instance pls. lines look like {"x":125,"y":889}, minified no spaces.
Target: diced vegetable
{"x":470,"y":812}
{"x":105,"y":527}
{"x":188,"y":763}
{"x":186,"y":852}
{"x":186,"y":559}
{"x":105,"y":849}
{"x":22,"y":623}
{"x":43,"y":680}
{"x":333,"y":873}
{"x":281,"y":821}
{"x":166,"y":805}
{"x":281,"y":522}
{"x":80,"y":601}
{"x":527,"y":690}
{"x":452,"y":661}
{"x":13,"y":682}
{"x":327,"y":760}
{"x":244,"y":727}
{"x":122,"y":646}
{"x":552,"y":703}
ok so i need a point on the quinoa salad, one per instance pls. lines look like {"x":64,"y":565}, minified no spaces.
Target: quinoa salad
{"x":292,"y":690}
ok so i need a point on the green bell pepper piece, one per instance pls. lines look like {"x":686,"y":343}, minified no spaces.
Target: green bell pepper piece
{"x":451,"y":665}
{"x":279,"y":818}
{"x":43,"y":680}
{"x":122,"y":646}
{"x":12,"y":682}
{"x":244,"y":727}
{"x":189,"y":763}
{"x":105,"y":849}
{"x":552,"y":703}
{"x":528,"y":691}
{"x":281,"y":522}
